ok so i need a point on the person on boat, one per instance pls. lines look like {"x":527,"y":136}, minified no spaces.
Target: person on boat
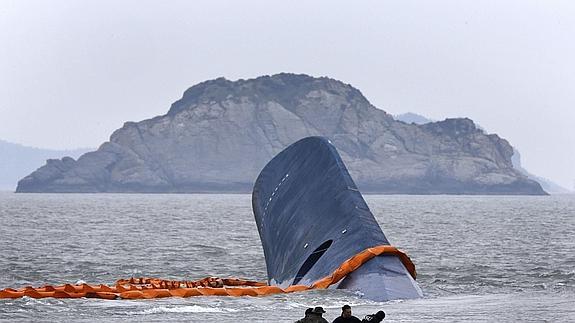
{"x":346,"y":316}
{"x":313,"y":316}
{"x":374,"y":318}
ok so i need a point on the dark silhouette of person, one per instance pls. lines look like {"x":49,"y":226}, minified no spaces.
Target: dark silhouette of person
{"x":313,"y":316}
{"x":346,"y":316}
{"x":374,"y":318}
{"x":306,"y":317}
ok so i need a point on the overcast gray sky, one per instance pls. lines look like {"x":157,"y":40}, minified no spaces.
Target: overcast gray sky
{"x":71,"y":72}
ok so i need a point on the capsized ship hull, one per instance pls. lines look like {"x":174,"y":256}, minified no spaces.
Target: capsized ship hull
{"x":311,"y":218}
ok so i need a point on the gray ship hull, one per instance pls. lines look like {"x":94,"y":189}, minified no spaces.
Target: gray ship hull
{"x":311,"y":218}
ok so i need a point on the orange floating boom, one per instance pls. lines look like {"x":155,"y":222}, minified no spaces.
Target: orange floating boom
{"x":145,"y":288}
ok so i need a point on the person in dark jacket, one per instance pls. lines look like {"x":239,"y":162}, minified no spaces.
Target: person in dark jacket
{"x":375,"y":318}
{"x":346,"y":316}
{"x":313,"y":316}
{"x":306,"y":317}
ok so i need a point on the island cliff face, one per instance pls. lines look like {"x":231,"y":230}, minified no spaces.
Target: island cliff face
{"x":221,"y":133}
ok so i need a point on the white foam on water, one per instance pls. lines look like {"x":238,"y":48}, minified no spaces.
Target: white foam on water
{"x":29,"y":301}
{"x":183,"y":309}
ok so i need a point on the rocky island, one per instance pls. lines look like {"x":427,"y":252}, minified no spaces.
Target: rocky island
{"x":221,"y":133}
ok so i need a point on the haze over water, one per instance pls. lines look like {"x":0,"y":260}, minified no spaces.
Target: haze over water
{"x":478,"y":258}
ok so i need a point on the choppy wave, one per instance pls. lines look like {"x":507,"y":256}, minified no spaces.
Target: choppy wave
{"x":478,"y":258}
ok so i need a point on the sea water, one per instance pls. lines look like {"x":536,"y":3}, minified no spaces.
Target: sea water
{"x":478,"y":258}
